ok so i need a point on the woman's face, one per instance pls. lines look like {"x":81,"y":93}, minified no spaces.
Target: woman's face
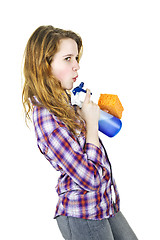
{"x":64,"y":64}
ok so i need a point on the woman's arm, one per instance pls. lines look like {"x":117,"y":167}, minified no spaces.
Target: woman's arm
{"x":85,"y":165}
{"x":90,"y":112}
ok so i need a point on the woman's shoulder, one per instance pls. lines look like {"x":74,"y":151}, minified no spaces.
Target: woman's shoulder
{"x":44,"y":121}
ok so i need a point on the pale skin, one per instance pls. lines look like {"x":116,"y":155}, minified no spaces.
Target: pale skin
{"x":65,"y":68}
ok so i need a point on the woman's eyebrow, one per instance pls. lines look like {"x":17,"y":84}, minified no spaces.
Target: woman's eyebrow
{"x":69,"y":55}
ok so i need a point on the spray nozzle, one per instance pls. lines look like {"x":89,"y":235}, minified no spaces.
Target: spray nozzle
{"x":79,"y":89}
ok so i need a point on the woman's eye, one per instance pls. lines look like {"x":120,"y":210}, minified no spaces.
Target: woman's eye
{"x":68,"y":59}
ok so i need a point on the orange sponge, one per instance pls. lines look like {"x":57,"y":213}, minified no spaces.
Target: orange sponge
{"x":111,"y":103}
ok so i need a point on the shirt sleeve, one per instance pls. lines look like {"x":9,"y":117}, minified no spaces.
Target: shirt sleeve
{"x":82,"y":165}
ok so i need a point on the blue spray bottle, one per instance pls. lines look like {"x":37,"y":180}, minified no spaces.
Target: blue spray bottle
{"x":108,"y":124}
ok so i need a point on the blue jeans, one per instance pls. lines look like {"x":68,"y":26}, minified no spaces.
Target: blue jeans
{"x":115,"y":228}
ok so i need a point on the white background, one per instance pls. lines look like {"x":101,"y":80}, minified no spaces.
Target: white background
{"x":121,"y":56}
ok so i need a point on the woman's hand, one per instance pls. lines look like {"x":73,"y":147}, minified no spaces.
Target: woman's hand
{"x":90,"y":112}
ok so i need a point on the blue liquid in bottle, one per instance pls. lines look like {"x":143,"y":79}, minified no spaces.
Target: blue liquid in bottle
{"x":108,"y":124}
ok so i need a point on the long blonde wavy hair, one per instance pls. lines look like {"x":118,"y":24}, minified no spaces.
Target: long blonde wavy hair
{"x":39,"y":81}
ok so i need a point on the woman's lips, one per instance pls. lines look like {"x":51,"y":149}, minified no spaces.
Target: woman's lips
{"x":74,"y":79}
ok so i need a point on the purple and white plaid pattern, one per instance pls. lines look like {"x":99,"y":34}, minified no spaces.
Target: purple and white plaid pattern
{"x":84,"y":187}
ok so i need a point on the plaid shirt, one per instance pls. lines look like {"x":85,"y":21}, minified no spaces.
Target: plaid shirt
{"x":84,"y":186}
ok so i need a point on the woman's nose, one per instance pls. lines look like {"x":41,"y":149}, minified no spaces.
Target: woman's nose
{"x":76,"y":66}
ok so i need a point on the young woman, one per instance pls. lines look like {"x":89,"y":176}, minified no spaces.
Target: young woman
{"x":68,"y":138}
